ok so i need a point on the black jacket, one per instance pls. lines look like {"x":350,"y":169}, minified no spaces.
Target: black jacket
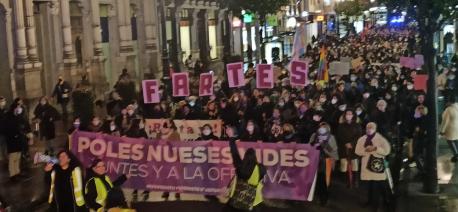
{"x":62,"y":91}
{"x":16,"y":132}
{"x":91,"y":191}
{"x":47,"y":115}
{"x":240,"y":171}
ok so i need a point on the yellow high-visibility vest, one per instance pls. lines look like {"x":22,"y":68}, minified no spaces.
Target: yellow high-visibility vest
{"x":253,"y":180}
{"x":102,"y":191}
{"x":77,"y":185}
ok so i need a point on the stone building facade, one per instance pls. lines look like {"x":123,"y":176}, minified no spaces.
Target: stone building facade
{"x":43,"y":39}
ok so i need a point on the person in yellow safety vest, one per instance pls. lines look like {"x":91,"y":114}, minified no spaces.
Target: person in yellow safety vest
{"x":116,"y":201}
{"x":66,"y":184}
{"x":98,"y":185}
{"x":248,"y":170}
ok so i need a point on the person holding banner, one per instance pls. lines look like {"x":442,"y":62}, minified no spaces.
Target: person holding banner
{"x":248,"y":179}
{"x":373,"y":148}
{"x":66,"y":184}
{"x":137,"y":130}
{"x":169,"y":132}
{"x":98,"y":185}
{"x":207,"y":134}
{"x":324,"y":141}
{"x":251,"y":133}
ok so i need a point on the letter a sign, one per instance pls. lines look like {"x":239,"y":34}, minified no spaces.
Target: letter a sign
{"x":180,"y":84}
{"x":206,"y":84}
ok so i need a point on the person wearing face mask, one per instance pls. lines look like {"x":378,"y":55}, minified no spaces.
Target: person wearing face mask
{"x":382,"y":118}
{"x":3,"y":113}
{"x":168,"y":132}
{"x":18,"y":134}
{"x":368,"y":101}
{"x":373,"y":148}
{"x":98,"y":184}
{"x":46,"y":115}
{"x":207,"y":134}
{"x":251,"y":133}
{"x":348,"y":133}
{"x":449,"y":127}
{"x":109,"y":127}
{"x":325,"y":142}
{"x":419,"y":129}
{"x":451,"y":86}
{"x":62,"y":91}
{"x":313,"y":125}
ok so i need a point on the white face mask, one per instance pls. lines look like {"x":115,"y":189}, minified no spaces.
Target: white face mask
{"x":358,"y":112}
{"x":409,"y":87}
{"x":342,"y":107}
{"x":112,"y":127}
{"x":18,"y":111}
{"x":250,"y":128}
{"x":96,"y":123}
{"x":141,"y":125}
{"x":394,"y":88}
{"x":43,"y":102}
{"x":322,"y":100}
{"x":236,"y":99}
{"x":322,"y":130}
{"x":366,"y":95}
{"x":206,"y":132}
{"x":316,"y":118}
{"x":334,"y":101}
{"x":451,"y":77}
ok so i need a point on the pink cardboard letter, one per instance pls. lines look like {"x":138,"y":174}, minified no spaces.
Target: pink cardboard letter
{"x":298,"y":75}
{"x":264,"y":76}
{"x":180,"y":84}
{"x":235,"y":75}
{"x":150,"y":91}
{"x":206,"y":84}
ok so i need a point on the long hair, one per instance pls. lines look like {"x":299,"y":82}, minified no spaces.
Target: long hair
{"x":248,"y":163}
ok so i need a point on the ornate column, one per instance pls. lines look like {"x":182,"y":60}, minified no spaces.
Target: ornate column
{"x":125,"y":36}
{"x":149,"y":10}
{"x":10,"y":49}
{"x":220,"y":23}
{"x":21,"y":45}
{"x":175,"y":51}
{"x":69,"y":54}
{"x":203,"y":36}
{"x":195,"y":51}
{"x":31,"y":33}
{"x":97,"y":35}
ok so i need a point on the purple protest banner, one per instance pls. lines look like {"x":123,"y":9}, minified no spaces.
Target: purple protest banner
{"x":202,"y":167}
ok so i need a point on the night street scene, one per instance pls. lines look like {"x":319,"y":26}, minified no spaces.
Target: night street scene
{"x":228,"y":105}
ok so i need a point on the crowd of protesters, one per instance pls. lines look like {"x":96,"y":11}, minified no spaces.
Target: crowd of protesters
{"x":348,"y":118}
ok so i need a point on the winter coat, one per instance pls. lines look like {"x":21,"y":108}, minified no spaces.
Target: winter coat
{"x":62,"y":91}
{"x":383,"y":149}
{"x":47,"y":114}
{"x":449,"y":125}
{"x":16,"y":132}
{"x":348,"y":133}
